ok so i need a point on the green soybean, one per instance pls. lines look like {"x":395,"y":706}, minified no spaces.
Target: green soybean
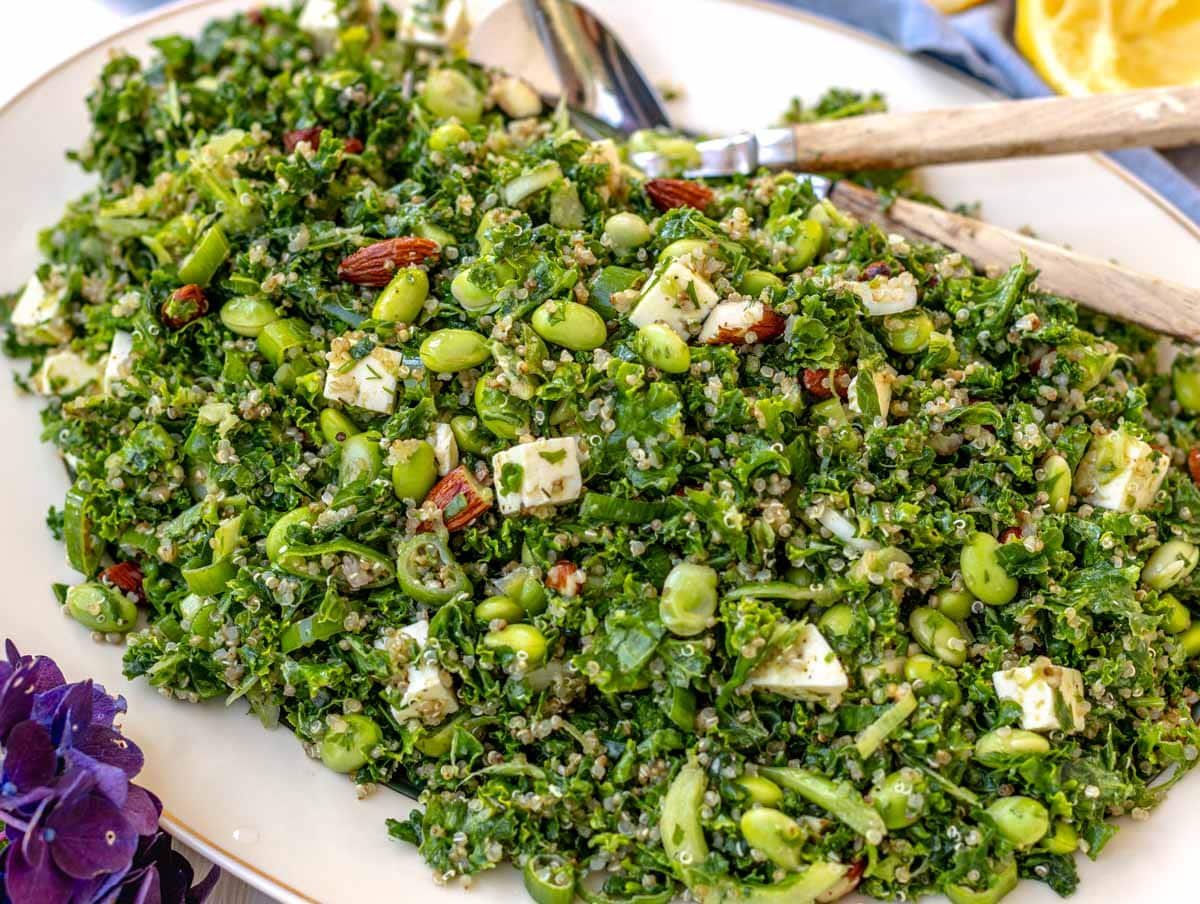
{"x":998,"y":747}
{"x":449,"y":351}
{"x":689,"y":599}
{"x":1170,"y":564}
{"x":502,"y":414}
{"x":755,"y":282}
{"x":938,"y":635}
{"x":1003,"y":880}
{"x":1055,"y":482}
{"x":1177,"y":618}
{"x":403,"y":298}
{"x":246,"y":315}
{"x":680,"y":247}
{"x":660,"y":346}
{"x":803,"y":236}
{"x":447,"y":135}
{"x":837,"y":621}
{"x":900,"y":798}
{"x":626,"y":232}
{"x":761,"y":790}
{"x":521,"y":639}
{"x":1022,"y":821}
{"x":1189,"y":640}
{"x":526,"y":589}
{"x":349,"y":745}
{"x":775,"y":834}
{"x":361,"y":461}
{"x":101,"y":608}
{"x":907,"y":333}
{"x":336,"y":427}
{"x":570,"y":324}
{"x":469,"y":434}
{"x":1185,"y":382}
{"x":982,"y":572}
{"x":449,"y":93}
{"x":501,"y":607}
{"x":955,"y":604}
{"x":415,"y":469}
{"x":921,"y":667}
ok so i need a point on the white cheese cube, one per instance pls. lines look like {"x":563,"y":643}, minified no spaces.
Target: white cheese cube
{"x":445,"y":449}
{"x":678,"y":297}
{"x":1051,"y":698}
{"x":38,"y":315}
{"x":516,"y":97}
{"x":428,"y":697}
{"x":370,"y":382}
{"x":882,"y":381}
{"x":320,"y":19}
{"x":1120,"y":472}
{"x":808,"y":669}
{"x":542,"y":472}
{"x":64,"y":373}
{"x":887,"y":295}
{"x":120,"y":360}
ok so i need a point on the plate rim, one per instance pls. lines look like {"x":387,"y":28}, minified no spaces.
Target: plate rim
{"x":220,"y":854}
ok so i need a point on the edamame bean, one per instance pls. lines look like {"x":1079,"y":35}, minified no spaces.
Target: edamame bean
{"x":449,"y":351}
{"x":982,"y":572}
{"x":498,"y":607}
{"x":921,"y":668}
{"x":101,"y":608}
{"x":449,"y":92}
{"x":680,"y":247}
{"x":900,"y":798}
{"x":907,"y":333}
{"x":938,"y":635}
{"x":447,"y":135}
{"x":761,"y":790}
{"x":468,"y":434}
{"x":1190,"y":641}
{"x":415,"y":469}
{"x":502,"y":414}
{"x":1185,"y":381}
{"x":660,"y":346}
{"x":336,"y":427}
{"x":361,"y":461}
{"x":474,"y":298}
{"x":803,"y":236}
{"x":997,"y":747}
{"x":1055,"y":482}
{"x":837,"y":621}
{"x":570,"y":324}
{"x":1062,"y":839}
{"x":755,"y":282}
{"x":955,"y":604}
{"x":1003,"y":880}
{"x":402,"y":299}
{"x":626,"y":232}
{"x":526,"y":589}
{"x":348,"y":744}
{"x":1177,"y":618}
{"x":247,"y":315}
{"x":689,"y":599}
{"x":1170,"y":564}
{"x":1022,"y":821}
{"x":775,"y":834}
{"x":524,"y":640}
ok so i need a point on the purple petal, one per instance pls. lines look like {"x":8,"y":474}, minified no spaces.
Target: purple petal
{"x":10,"y":651}
{"x":16,"y":698}
{"x":110,"y":781}
{"x":29,"y":759}
{"x":106,"y":708}
{"x":34,"y":880}
{"x":107,"y":745}
{"x":90,"y":837}
{"x":142,"y":810}
{"x":149,"y":890}
{"x":72,"y":712}
{"x":199,"y":892}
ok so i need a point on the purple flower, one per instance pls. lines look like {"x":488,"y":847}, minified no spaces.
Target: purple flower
{"x":79,"y":830}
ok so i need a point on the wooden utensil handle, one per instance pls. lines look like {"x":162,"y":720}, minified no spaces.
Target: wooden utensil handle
{"x":1162,"y":117}
{"x":1154,"y":303}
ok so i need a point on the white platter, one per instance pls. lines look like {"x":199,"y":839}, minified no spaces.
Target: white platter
{"x":250,"y":798}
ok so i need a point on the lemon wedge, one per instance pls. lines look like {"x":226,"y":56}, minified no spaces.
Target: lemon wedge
{"x":1099,"y":46}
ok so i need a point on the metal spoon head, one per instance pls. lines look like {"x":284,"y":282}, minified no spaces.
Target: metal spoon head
{"x":598,"y":77}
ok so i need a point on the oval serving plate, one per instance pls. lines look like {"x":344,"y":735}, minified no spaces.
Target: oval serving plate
{"x":249,"y":798}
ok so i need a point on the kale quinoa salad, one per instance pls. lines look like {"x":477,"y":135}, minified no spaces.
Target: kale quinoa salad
{"x":668,"y":539}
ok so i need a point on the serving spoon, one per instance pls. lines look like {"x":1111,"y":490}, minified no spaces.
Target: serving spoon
{"x":578,"y":44}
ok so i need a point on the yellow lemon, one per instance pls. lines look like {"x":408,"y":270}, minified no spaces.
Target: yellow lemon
{"x":1097,"y":46}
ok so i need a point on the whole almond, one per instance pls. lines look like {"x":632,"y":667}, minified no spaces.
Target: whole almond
{"x":375,"y":264}
{"x":126,"y":577}
{"x":566,"y":578}
{"x":764,"y":325}
{"x":312,"y":135}
{"x":670,"y":193}
{"x":460,"y":499}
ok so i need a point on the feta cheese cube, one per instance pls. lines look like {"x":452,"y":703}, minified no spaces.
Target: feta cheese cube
{"x":1051,"y":697}
{"x":120,"y":360}
{"x":445,"y":449}
{"x":542,"y":472}
{"x":1120,"y":472}
{"x":429,"y":695}
{"x":64,"y":373}
{"x":320,"y":19}
{"x":38,"y":315}
{"x":881,"y":380}
{"x":807,"y":669}
{"x":369,"y":382}
{"x":679,"y":298}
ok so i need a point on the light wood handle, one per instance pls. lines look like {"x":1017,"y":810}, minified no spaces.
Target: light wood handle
{"x":1162,"y":117}
{"x":1154,"y":303}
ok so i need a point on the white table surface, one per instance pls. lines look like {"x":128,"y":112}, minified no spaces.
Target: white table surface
{"x":34,"y":37}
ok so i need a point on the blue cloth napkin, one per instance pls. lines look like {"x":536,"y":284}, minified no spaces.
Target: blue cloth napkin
{"x":978,"y":43}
